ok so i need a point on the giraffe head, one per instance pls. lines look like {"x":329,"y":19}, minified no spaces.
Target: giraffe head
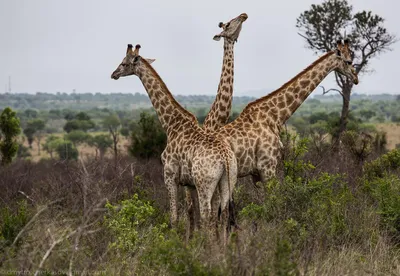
{"x":345,"y":61}
{"x":231,"y":29}
{"x":130,"y":65}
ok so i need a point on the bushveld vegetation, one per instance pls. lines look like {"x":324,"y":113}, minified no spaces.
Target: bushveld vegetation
{"x":331,"y":210}
{"x":326,"y":213}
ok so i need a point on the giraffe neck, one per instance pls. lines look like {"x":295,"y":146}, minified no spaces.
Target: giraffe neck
{"x":278,"y":106}
{"x":170,"y":113}
{"x":220,"y":110}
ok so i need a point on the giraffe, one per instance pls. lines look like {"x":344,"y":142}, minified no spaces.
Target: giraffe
{"x":219,"y":113}
{"x":254,"y":135}
{"x":192,"y":156}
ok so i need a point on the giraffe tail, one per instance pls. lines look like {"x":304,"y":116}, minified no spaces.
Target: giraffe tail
{"x":231,"y":206}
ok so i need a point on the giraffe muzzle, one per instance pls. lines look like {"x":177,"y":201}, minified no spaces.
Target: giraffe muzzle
{"x":115,"y":75}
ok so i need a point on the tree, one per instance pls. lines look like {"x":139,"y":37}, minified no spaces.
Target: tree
{"x":67,"y":151}
{"x":31,"y":113}
{"x":9,"y":130}
{"x":51,"y":144}
{"x":148,"y":137}
{"x":323,"y":24}
{"x":101,"y":142}
{"x":367,"y":114}
{"x":80,"y":121}
{"x":34,"y":129}
{"x":112,"y":124}
{"x":77,"y":137}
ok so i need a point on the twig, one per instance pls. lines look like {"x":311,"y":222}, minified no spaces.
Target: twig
{"x":25,"y":195}
{"x":32,"y":220}
{"x":324,"y":91}
{"x":29,"y":223}
{"x":48,"y":252}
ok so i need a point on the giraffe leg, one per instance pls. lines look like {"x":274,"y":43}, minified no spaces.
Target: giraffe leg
{"x":206,"y":213}
{"x":172,"y":188}
{"x":190,"y":211}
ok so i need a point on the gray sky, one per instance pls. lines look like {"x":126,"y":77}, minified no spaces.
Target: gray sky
{"x":50,"y":45}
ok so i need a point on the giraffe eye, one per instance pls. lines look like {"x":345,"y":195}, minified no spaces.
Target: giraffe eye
{"x":349,"y":62}
{"x":227,"y":25}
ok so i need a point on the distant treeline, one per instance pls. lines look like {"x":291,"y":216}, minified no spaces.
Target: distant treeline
{"x":86,"y":101}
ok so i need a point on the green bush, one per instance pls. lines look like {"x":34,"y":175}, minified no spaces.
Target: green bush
{"x":170,"y":255}
{"x":126,"y":221}
{"x":11,"y":224}
{"x":315,"y":207}
{"x":389,"y":162}
{"x":385,"y":192}
{"x":67,"y":151}
{"x":148,"y":137}
{"x":294,"y":165}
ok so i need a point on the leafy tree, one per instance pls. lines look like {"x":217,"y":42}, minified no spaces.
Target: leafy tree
{"x":51,"y":144}
{"x":34,"y":130}
{"x":29,"y":132}
{"x":148,"y":138}
{"x":124,"y":131}
{"x":67,"y":151}
{"x":77,"y":137}
{"x":80,"y":121}
{"x":82,"y":116}
{"x":318,"y":116}
{"x":323,"y":24}
{"x":23,"y":151}
{"x":101,"y":142}
{"x":9,"y":130}
{"x":113,"y":124}
{"x":55,"y":114}
{"x":395,"y":119}
{"x":367,"y":114}
{"x":31,"y":113}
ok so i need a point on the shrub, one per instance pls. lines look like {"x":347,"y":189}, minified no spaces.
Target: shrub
{"x":385,"y":192}
{"x":67,"y":151}
{"x":126,"y":220}
{"x":11,"y":223}
{"x":148,"y":138}
{"x":389,"y":162}
{"x":169,"y":254}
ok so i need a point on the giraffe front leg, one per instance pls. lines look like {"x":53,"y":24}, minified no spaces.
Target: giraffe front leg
{"x":190,"y":211}
{"x":172,"y":188}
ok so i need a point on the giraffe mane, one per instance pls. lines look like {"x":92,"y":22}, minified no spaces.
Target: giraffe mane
{"x":164,"y":86}
{"x":322,"y":58}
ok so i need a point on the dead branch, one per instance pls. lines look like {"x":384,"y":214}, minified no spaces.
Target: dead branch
{"x":54,"y":244}
{"x":324,"y":91}
{"x":25,"y":195}
{"x":33,"y":219}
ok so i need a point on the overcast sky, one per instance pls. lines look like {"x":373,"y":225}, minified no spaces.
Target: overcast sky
{"x":50,"y":45}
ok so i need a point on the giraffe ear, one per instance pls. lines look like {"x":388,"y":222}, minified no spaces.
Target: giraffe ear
{"x":217,"y":37}
{"x":150,"y":60}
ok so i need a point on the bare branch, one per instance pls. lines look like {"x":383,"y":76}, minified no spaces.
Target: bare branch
{"x":25,"y":195}
{"x":324,"y":91}
{"x":54,"y":244}
{"x":339,"y":81}
{"x":32,"y":220}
